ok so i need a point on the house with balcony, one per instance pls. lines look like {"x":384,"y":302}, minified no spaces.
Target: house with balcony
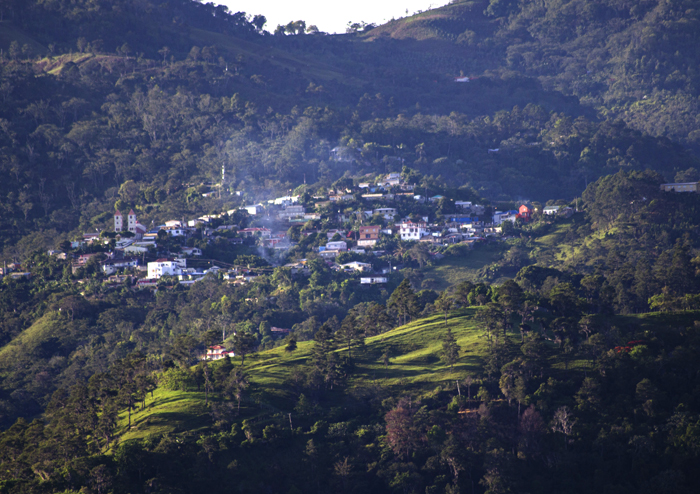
{"x":368,"y":236}
{"x":413,"y":231}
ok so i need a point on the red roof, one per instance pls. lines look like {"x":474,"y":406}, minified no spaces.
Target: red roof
{"x":131,"y":213}
{"x":117,"y":213}
{"x":217,"y":347}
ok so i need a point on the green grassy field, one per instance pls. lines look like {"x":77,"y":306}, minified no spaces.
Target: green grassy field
{"x":453,"y":270}
{"x":165,"y":413}
{"x":415,"y":366}
{"x":28,"y":340}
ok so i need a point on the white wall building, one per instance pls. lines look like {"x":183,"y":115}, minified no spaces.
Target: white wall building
{"x":413,"y":231}
{"x":171,"y":267}
{"x":118,"y":222}
{"x":339,"y":245}
{"x":254,"y":209}
{"x":291,"y":212}
{"x":501,"y":216}
{"x":373,"y":280}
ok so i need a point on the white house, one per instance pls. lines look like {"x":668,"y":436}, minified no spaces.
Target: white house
{"x":329,"y":254}
{"x":217,"y":352}
{"x":501,"y":216}
{"x":291,"y":212}
{"x":174,"y":231}
{"x":339,"y":245}
{"x":254,"y":209}
{"x":387,"y":213}
{"x":391,"y":179}
{"x":551,"y":210}
{"x":172,"y":267}
{"x":413,"y":231}
{"x":135,"y":249}
{"x":111,"y":266}
{"x":373,"y":280}
{"x":357,"y":266}
{"x":284,"y":201}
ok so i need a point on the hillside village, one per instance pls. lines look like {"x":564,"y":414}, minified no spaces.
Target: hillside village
{"x":352,"y":225}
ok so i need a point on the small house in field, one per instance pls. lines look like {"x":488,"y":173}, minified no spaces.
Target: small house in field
{"x":217,"y":352}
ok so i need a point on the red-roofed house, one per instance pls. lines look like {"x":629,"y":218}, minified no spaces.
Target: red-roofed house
{"x":217,"y":352}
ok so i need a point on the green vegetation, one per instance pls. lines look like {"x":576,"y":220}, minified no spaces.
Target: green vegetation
{"x":167,"y":412}
{"x":560,"y":357}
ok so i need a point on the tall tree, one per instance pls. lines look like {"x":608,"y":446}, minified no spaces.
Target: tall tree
{"x":444,"y":303}
{"x":350,"y":334}
{"x":450,"y":349}
{"x":403,"y":301}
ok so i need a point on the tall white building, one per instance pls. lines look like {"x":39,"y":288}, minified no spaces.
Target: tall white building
{"x":131,"y":221}
{"x":413,"y":231}
{"x":118,"y":222}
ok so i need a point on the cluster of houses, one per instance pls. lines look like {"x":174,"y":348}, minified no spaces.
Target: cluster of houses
{"x":468,"y":225}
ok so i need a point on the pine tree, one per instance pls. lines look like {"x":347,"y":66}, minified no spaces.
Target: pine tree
{"x":350,"y":333}
{"x":450,"y":349}
{"x":444,"y":303}
{"x":323,"y":357}
{"x":403,"y":301}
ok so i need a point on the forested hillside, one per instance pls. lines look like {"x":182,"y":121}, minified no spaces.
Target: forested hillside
{"x":326,"y":214}
{"x":103,"y":114}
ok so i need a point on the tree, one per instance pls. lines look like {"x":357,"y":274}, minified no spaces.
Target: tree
{"x":181,"y":350}
{"x":510,"y":296}
{"x":291,"y":344}
{"x":450,"y":349}
{"x":375,"y":320}
{"x":386,"y":359}
{"x":469,"y":380}
{"x":462,"y":293}
{"x":350,"y":334}
{"x":403,"y":301}
{"x":208,"y":385}
{"x":165,"y":51}
{"x":420,"y":253}
{"x":243,"y":344}
{"x":236,"y":385}
{"x":259,"y":22}
{"x":402,"y":434}
{"x":563,"y":422}
{"x":513,"y":382}
{"x":323,"y":357}
{"x":444,"y":303}
{"x":493,"y":317}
